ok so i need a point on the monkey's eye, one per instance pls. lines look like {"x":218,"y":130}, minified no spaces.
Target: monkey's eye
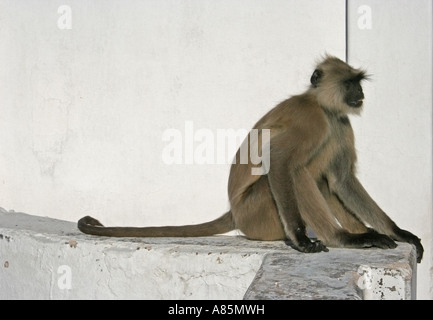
{"x":347,"y":84}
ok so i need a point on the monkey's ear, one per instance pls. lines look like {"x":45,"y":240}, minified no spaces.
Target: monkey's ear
{"x":315,"y":78}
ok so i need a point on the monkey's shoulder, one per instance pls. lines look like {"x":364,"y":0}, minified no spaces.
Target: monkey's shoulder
{"x":300,"y":113}
{"x":303,"y":103}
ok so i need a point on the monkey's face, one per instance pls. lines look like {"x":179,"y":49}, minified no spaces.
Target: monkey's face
{"x":354,"y":95}
{"x":337,"y":86}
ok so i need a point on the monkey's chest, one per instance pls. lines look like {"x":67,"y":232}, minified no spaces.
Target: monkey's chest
{"x":335,"y":153}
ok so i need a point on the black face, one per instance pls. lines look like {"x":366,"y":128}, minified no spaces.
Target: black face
{"x":354,"y":95}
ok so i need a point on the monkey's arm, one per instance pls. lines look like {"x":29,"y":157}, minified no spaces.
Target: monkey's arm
{"x":290,"y":152}
{"x":281,"y":181}
{"x":353,"y":195}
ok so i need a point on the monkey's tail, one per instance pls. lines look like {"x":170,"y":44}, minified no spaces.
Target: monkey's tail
{"x":223,"y":224}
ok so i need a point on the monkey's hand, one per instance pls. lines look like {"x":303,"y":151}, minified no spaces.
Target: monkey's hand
{"x":406,"y":236}
{"x":308,"y":246}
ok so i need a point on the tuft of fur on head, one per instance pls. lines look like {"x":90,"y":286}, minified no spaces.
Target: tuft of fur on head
{"x":330,"y":89}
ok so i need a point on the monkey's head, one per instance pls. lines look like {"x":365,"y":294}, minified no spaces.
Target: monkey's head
{"x":337,"y":86}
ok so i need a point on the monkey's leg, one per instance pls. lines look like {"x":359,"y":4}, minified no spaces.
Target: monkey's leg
{"x":314,"y":209}
{"x":351,"y":192}
{"x":348,"y":221}
{"x":316,"y":213}
{"x":255,"y":214}
{"x":282,"y":188}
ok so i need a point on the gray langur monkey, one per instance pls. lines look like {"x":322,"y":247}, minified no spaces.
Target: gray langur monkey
{"x":310,"y":180}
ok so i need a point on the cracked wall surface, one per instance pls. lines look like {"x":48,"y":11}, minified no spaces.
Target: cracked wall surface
{"x":45,"y":258}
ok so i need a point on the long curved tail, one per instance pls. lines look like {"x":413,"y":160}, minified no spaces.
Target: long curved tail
{"x":223,"y":224}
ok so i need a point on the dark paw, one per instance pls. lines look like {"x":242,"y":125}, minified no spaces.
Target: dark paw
{"x":419,"y":249}
{"x":309,"y":246}
{"x":408,"y":237}
{"x":380,"y":241}
{"x":372,"y":239}
{"x":383,"y":241}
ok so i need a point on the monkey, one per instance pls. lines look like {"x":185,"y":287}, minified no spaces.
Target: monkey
{"x":310,"y":178}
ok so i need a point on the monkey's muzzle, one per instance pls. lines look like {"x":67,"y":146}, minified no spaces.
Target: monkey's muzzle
{"x":356,"y":103}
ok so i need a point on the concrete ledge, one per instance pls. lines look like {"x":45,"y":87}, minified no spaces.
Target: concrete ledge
{"x":340,"y":274}
{"x":44,"y":258}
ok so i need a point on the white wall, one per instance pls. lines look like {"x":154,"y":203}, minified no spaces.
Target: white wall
{"x":394,"y":133}
{"x":84,"y":109}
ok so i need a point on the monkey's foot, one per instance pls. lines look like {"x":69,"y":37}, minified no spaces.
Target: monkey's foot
{"x":308,"y":246}
{"x":369,"y":239}
{"x":408,"y":237}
